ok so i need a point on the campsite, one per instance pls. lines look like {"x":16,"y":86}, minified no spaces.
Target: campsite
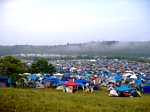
{"x":94,"y":82}
{"x":74,"y":55}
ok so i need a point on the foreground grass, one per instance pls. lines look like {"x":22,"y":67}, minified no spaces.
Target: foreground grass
{"x":51,"y":100}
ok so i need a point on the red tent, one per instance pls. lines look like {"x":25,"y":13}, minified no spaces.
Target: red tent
{"x":69,"y":83}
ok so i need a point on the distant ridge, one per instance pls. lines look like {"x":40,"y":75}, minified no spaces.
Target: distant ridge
{"x":141,"y":49}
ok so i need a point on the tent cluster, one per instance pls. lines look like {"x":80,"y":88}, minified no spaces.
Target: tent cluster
{"x":73,"y":75}
{"x":123,"y":91}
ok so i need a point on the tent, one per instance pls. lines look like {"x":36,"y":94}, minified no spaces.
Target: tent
{"x":58,"y":75}
{"x":69,"y":83}
{"x":93,"y":60}
{"x":147,"y":83}
{"x":113,"y":93}
{"x":133,"y":76}
{"x":146,"y":89}
{"x":139,"y":82}
{"x":2,"y":84}
{"x":111,"y":80}
{"x":127,"y":74}
{"x":3,"y":81}
{"x":64,"y":78}
{"x":73,"y":69}
{"x":135,"y":93}
{"x":116,"y":76}
{"x":47,"y":84}
{"x":69,"y":89}
{"x":97,"y":87}
{"x":104,"y":71}
{"x":9,"y":81}
{"x":60,"y":88}
{"x":123,"y":88}
{"x":40,"y":86}
{"x":53,"y":80}
{"x":82,"y":81}
{"x":32,"y":77}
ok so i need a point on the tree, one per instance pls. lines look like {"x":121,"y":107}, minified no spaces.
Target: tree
{"x":11,"y":67}
{"x":42,"y":65}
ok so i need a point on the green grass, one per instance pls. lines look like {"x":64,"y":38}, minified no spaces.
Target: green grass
{"x":51,"y":100}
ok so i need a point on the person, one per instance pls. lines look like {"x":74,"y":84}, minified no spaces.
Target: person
{"x":74,"y":90}
{"x":87,"y":90}
{"x":126,"y":94}
{"x":91,"y":89}
{"x":64,"y":89}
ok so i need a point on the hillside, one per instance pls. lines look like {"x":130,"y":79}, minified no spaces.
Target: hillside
{"x":51,"y":100}
{"x":105,"y":48}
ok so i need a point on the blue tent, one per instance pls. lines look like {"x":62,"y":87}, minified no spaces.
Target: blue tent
{"x":147,"y":83}
{"x":140,"y":76}
{"x":139,"y":82}
{"x":9,"y":81}
{"x":32,"y":77}
{"x":68,"y":75}
{"x":146,"y":89}
{"x":116,"y":76}
{"x":123,"y":88}
{"x":99,"y":74}
{"x":83,"y":81}
{"x":3,"y":79}
{"x":53,"y":80}
{"x":104,"y":71}
{"x":64,"y":78}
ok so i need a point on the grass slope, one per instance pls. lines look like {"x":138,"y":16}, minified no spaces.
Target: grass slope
{"x":51,"y":100}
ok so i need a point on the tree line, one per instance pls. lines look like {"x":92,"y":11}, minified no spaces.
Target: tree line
{"x":14,"y":68}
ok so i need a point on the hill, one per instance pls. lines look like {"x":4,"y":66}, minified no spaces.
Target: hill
{"x":104,"y":48}
{"x":51,"y":100}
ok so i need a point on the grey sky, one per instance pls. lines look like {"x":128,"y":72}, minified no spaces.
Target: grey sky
{"x":55,"y":22}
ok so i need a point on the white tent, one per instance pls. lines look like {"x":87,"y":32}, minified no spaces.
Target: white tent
{"x":93,"y":60}
{"x":111,"y":79}
{"x":60,"y":88}
{"x":79,"y":70}
{"x":69,"y":89}
{"x":26,"y":74}
{"x":38,"y":74}
{"x":58,"y":75}
{"x":40,"y":86}
{"x":113,"y":92}
{"x":133,"y":77}
{"x":73,"y":68}
{"x":127,"y":74}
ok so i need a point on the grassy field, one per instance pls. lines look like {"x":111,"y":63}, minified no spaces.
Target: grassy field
{"x":51,"y":100}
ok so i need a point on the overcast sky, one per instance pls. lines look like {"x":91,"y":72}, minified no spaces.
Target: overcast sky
{"x":58,"y":22}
